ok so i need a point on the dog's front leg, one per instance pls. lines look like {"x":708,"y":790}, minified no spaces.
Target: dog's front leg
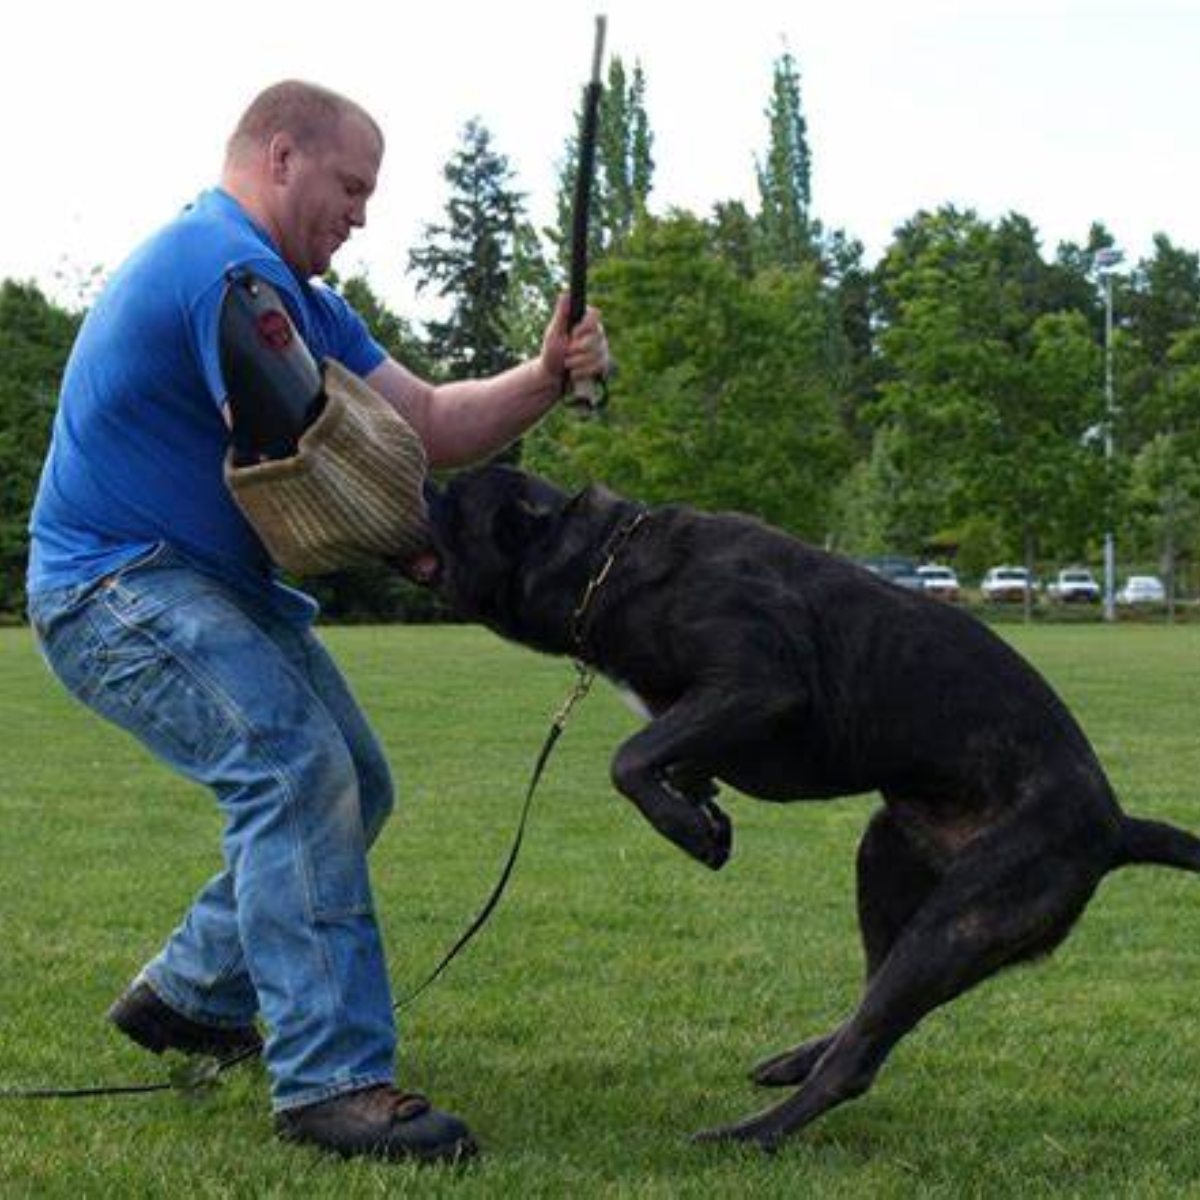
{"x":650,"y":767}
{"x":697,"y":826}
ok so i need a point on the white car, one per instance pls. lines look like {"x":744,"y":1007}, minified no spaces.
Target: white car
{"x":1075,"y":585}
{"x":1007,"y":583}
{"x":1142,"y":589}
{"x":938,"y":581}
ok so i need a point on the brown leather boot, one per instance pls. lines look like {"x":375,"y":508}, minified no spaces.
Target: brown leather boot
{"x":379,"y":1122}
{"x":141,"y":1015}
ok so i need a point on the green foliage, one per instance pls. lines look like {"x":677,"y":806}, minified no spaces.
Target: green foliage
{"x":373,"y":593}
{"x":35,"y":339}
{"x":1165,"y":491}
{"x":532,"y":289}
{"x":1163,"y":299}
{"x":975,"y":359}
{"x":722,"y":397}
{"x":392,"y":331}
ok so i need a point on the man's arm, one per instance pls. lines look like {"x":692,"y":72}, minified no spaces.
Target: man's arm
{"x":465,"y":421}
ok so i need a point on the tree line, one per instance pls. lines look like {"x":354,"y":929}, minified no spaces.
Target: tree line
{"x":947,"y":400}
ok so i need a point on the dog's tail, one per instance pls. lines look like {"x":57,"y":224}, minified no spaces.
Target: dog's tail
{"x":1158,"y":843}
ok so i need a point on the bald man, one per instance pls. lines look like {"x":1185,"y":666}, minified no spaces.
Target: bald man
{"x":155,"y":603}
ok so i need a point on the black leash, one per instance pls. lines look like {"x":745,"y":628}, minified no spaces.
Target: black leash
{"x":201,"y":1074}
{"x":197,"y":1076}
{"x":585,"y":676}
{"x":582,"y":686}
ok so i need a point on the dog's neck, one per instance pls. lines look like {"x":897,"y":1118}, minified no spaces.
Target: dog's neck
{"x":578,"y":584}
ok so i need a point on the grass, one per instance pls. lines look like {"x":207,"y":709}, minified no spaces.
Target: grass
{"x":620,"y":993}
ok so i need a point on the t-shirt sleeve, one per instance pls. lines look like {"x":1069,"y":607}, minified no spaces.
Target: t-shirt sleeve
{"x":352,"y":343}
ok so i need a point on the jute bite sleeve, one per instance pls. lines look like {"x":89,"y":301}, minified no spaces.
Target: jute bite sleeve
{"x":352,"y":493}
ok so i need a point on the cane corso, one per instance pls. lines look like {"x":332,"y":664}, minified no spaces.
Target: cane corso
{"x":791,"y":674}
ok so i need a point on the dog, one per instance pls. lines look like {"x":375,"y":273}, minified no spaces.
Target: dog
{"x":789,"y":673}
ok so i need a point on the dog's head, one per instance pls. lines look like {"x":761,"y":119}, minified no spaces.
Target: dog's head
{"x":488,"y":525}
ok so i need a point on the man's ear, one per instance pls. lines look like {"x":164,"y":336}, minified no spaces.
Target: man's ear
{"x":520,"y":524}
{"x":280,"y":152}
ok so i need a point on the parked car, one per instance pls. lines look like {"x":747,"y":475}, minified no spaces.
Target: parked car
{"x":1007,"y":584}
{"x":1074,"y":585}
{"x":938,"y":581}
{"x":896,"y":569}
{"x":1142,"y":589}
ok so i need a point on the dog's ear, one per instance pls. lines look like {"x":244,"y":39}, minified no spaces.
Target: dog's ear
{"x":593,"y":498}
{"x":520,"y":523}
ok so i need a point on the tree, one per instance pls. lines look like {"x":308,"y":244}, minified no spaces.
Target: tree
{"x":723,"y":397}
{"x":35,"y":340}
{"x":785,"y":173}
{"x":975,"y":363}
{"x":468,"y":258}
{"x":1166,"y":471}
{"x":532,"y":288}
{"x":735,"y":236}
{"x":1157,"y":303}
{"x":392,"y":331}
{"x":624,"y":168}
{"x":1163,"y":299}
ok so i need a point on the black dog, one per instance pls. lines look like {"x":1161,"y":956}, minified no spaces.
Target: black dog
{"x":791,"y":674}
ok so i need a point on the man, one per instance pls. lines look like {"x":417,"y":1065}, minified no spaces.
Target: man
{"x":155,"y":604}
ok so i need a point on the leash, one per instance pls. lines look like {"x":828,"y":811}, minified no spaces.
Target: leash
{"x":197,"y":1076}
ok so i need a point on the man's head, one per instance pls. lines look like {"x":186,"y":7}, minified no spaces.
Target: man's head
{"x":303,"y":161}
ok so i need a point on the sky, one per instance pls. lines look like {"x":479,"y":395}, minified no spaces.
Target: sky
{"x":115,"y":112}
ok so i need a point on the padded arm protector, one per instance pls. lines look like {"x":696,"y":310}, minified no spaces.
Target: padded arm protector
{"x":274,"y":386}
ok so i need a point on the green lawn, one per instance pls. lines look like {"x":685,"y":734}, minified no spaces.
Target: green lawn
{"x":619,"y":995}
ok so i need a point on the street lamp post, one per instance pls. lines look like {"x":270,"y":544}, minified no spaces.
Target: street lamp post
{"x":1105,"y":261}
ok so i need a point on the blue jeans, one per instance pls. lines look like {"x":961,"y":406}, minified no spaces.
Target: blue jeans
{"x":231,"y":696}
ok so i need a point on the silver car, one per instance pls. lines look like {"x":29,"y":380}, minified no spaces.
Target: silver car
{"x":1142,"y":589}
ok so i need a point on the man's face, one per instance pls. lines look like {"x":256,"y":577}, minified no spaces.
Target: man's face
{"x":325,"y":193}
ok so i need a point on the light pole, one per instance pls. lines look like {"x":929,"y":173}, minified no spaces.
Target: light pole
{"x":1106,"y":260}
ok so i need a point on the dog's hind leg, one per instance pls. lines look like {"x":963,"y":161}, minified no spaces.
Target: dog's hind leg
{"x":894,"y":880}
{"x":1007,"y":897}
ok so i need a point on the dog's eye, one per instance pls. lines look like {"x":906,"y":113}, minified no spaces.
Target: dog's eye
{"x":517,"y":525}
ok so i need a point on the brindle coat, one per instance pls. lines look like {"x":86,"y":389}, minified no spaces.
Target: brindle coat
{"x":791,"y":674}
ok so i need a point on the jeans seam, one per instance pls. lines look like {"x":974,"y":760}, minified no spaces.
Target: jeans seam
{"x":301,"y":861}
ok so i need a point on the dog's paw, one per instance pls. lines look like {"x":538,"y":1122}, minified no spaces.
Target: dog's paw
{"x":704,"y":832}
{"x":721,"y":839}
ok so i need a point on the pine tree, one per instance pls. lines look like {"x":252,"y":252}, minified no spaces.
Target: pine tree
{"x":468,"y":258}
{"x":624,"y":169}
{"x":532,"y":289}
{"x":784,"y":176}
{"x":641,"y":144}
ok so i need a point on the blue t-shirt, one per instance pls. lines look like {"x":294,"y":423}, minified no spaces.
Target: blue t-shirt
{"x":139,"y":439}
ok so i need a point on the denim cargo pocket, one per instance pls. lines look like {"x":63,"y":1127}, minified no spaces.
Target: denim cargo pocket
{"x":142,"y":686}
